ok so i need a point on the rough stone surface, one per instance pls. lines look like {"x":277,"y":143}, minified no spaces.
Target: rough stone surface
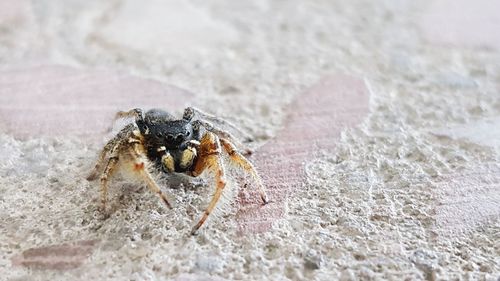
{"x":313,"y":125}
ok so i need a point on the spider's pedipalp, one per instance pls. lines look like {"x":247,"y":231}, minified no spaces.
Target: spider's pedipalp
{"x":187,"y":158}
{"x":168,"y":163}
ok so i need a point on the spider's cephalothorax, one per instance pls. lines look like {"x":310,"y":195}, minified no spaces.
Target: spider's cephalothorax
{"x":170,"y":143}
{"x":188,"y":145}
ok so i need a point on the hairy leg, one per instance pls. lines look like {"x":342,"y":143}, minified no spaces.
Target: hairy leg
{"x":223,"y":134}
{"x":136,"y":112}
{"x":106,"y":175}
{"x":126,"y":146}
{"x":216,"y":124}
{"x":191,"y":112}
{"x":140,"y":169}
{"x":241,"y":161}
{"x":111,"y":149}
{"x":210,"y":159}
{"x":102,"y":156}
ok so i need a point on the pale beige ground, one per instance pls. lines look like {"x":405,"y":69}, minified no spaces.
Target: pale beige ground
{"x":378,"y":208}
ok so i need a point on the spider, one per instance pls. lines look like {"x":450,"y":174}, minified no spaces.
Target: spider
{"x":157,"y":139}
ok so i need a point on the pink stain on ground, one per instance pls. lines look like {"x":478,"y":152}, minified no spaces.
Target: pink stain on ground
{"x":468,"y":199}
{"x":59,"y":101}
{"x":315,"y":121}
{"x":56,"y":257}
{"x":463,"y":23}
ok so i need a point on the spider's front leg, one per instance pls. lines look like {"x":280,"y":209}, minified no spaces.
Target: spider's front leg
{"x":127,"y":147}
{"x":209,"y":158}
{"x":241,"y":161}
{"x":191,"y":112}
{"x":136,"y":113}
{"x":140,"y":162}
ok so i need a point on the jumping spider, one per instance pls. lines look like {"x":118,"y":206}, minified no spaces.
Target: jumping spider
{"x":157,"y":139}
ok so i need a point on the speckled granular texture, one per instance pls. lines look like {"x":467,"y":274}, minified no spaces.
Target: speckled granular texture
{"x":383,"y":206}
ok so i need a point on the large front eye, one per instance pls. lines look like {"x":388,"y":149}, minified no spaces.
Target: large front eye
{"x":159,"y":134}
{"x":179,"y":138}
{"x":170,"y":137}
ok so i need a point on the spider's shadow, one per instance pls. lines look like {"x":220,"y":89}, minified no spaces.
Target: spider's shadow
{"x":176,"y":181}
{"x":128,"y":192}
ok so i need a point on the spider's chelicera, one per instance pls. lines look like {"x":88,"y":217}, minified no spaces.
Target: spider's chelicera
{"x":189,"y":145}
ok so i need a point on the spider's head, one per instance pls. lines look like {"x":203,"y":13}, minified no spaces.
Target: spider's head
{"x":174,"y":133}
{"x":161,"y":129}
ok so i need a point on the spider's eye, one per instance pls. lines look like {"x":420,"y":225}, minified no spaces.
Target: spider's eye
{"x":159,"y":135}
{"x":170,"y":137}
{"x":188,"y":133}
{"x":179,"y":137}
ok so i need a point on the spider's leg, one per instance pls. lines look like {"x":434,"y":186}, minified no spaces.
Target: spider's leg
{"x":241,"y":161}
{"x":137,"y":152}
{"x":190,"y":112}
{"x":106,"y":175}
{"x":111,"y":145}
{"x":209,"y":158}
{"x":223,"y":134}
{"x":136,"y":112}
{"x":113,"y":148}
{"x":110,"y":149}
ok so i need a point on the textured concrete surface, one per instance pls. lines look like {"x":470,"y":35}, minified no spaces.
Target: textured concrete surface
{"x":314,"y":123}
{"x":406,"y":191}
